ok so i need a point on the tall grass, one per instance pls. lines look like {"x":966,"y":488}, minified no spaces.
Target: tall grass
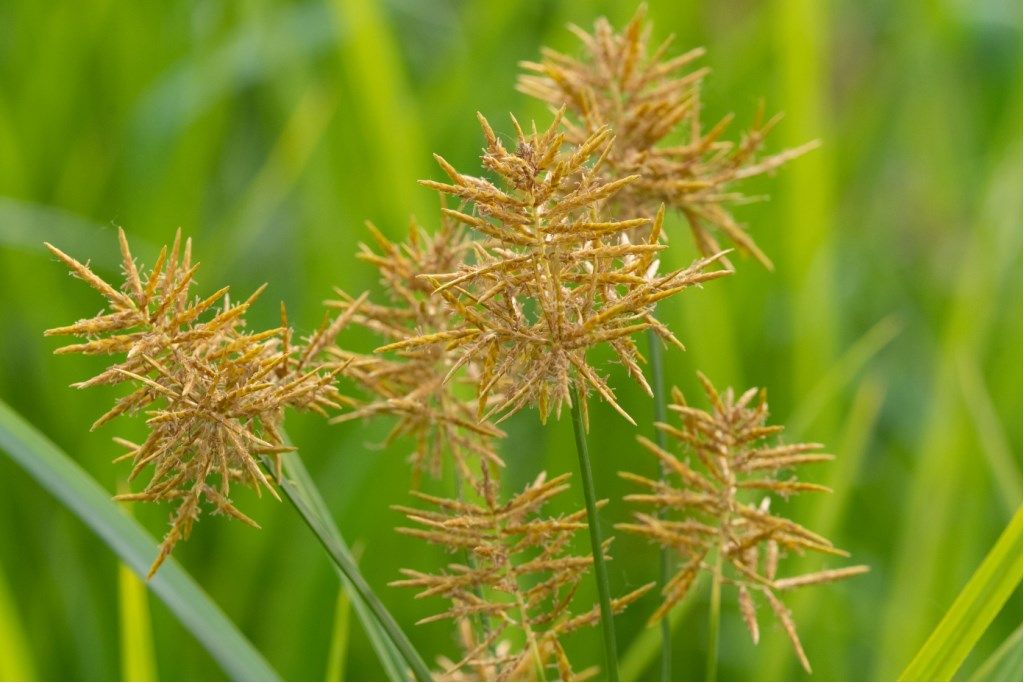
{"x":280,"y":128}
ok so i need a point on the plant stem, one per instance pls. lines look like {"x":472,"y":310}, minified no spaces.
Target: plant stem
{"x":660,"y":415}
{"x":596,"y":542}
{"x":714,"y":619}
{"x":343,"y":560}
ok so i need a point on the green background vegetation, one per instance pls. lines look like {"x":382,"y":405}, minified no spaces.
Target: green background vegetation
{"x":269,"y":131}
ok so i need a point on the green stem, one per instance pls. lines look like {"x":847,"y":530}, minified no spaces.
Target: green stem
{"x":660,"y":415}
{"x":596,"y":541}
{"x":343,"y":560}
{"x":714,"y":619}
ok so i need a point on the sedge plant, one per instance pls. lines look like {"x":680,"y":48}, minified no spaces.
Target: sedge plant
{"x":549,"y":251}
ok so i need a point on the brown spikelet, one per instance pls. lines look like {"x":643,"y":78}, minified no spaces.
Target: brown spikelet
{"x":551,"y":277}
{"x":717,"y":514}
{"x":424,"y":387}
{"x":213,"y":392}
{"x":520,"y":578}
{"x":652,"y":102}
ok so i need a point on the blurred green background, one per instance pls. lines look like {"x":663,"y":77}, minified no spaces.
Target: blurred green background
{"x":269,"y":131}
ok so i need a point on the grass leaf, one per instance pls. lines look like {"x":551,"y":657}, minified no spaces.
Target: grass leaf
{"x":390,"y":658}
{"x":1004,"y":664}
{"x":71,"y":485}
{"x":15,"y":655}
{"x":393,"y":647}
{"x":972,"y":611}
{"x":338,"y":653}
{"x":137,"y":660}
{"x":842,"y":373}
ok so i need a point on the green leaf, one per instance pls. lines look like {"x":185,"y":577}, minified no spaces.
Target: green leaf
{"x":15,"y":655}
{"x":395,"y":650}
{"x":338,"y":653}
{"x":137,"y":660}
{"x":1004,"y":664}
{"x":842,"y":373}
{"x":72,"y":486}
{"x":972,"y":611}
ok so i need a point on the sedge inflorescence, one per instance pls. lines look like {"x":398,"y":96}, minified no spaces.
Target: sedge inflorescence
{"x":213,"y":392}
{"x":551,"y":276}
{"x":519,"y":577}
{"x":653,"y":103}
{"x":717,"y":516}
{"x":425,"y":387}
{"x":550,"y":252}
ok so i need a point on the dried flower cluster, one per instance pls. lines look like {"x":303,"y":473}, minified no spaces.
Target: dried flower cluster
{"x":519,"y":579}
{"x":213,"y":393}
{"x":551,"y":278}
{"x":713,"y":519}
{"x":413,"y":384}
{"x":652,"y":102}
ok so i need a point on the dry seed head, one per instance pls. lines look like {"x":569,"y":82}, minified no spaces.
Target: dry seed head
{"x":652,"y":102}
{"x":520,"y":578}
{"x":410,"y":384}
{"x":551,"y":278}
{"x":212,"y":392}
{"x":719,"y":505}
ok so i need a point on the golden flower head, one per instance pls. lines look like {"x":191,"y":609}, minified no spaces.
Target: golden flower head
{"x":410,"y":384}
{"x":718,"y":516}
{"x":519,"y":576}
{"x":213,"y":392}
{"x":551,"y":278}
{"x":652,"y":102}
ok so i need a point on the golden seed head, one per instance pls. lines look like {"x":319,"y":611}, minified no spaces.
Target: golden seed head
{"x":550,"y":277}
{"x":213,"y":392}
{"x":520,"y":578}
{"x":717,"y":515}
{"x":653,"y":104}
{"x":422,"y":387}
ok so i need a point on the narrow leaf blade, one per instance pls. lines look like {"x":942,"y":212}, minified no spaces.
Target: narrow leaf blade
{"x":137,"y":660}
{"x":393,"y":646}
{"x":972,"y":611}
{"x":72,"y":486}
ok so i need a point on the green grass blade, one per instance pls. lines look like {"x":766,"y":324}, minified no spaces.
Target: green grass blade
{"x":931,"y":509}
{"x":338,"y":653}
{"x":15,"y":656}
{"x":807,"y":191}
{"x":1004,"y":664}
{"x":137,"y":660}
{"x":72,"y":486}
{"x":842,"y":373}
{"x":384,"y":108}
{"x":991,"y":440}
{"x":972,"y":611}
{"x":390,"y":658}
{"x":299,"y":489}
